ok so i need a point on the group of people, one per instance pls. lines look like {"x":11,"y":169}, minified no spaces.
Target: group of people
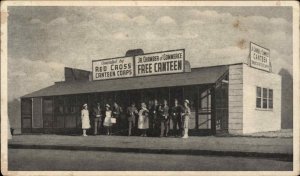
{"x":154,"y":121}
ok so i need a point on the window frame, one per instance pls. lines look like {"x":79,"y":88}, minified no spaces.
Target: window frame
{"x":263,"y":98}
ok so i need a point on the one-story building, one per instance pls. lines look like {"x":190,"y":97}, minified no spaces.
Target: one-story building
{"x":238,"y":98}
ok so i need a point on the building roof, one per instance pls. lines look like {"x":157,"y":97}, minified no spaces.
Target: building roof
{"x":204,"y":75}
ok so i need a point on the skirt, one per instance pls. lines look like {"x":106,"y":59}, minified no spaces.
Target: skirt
{"x":143,"y":122}
{"x":186,"y":122}
{"x":107,"y":122}
{"x":85,"y":123}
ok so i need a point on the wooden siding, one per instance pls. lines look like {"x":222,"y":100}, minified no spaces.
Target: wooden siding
{"x":235,"y":99}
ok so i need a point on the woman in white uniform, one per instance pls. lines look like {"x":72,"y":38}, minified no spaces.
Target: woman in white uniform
{"x":186,"y":116}
{"x":143,"y":121}
{"x":107,"y":121}
{"x":85,"y":119}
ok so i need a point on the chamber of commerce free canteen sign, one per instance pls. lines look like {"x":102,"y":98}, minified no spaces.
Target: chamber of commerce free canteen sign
{"x":260,"y":57}
{"x":113,"y":68}
{"x":159,"y":63}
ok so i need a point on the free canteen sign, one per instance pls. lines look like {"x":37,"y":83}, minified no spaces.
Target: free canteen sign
{"x":113,"y":68}
{"x":160,"y":63}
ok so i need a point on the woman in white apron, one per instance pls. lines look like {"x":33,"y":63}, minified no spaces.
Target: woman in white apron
{"x":85,"y":119}
{"x":186,"y":116}
{"x":143,"y":121}
{"x":107,"y":121}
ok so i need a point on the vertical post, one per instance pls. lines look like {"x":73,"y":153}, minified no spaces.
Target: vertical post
{"x":183,"y":94}
{"x":31,"y":119}
{"x":207,"y":104}
{"x":22,"y":100}
{"x":75,"y":106}
{"x":63,"y":114}
{"x":22,"y":114}
{"x":125,"y":101}
{"x":169,"y":94}
{"x":197,"y":108}
{"x":141,"y":95}
{"x":52,"y":113}
{"x":42,"y":112}
{"x":213,"y":111}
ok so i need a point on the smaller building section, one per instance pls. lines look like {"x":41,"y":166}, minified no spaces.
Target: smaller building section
{"x":254,"y":100}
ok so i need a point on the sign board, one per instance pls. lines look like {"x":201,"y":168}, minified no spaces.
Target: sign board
{"x":160,"y":63}
{"x":260,"y":57}
{"x":113,"y":68}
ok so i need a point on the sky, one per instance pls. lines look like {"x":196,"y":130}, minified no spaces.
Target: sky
{"x":44,"y":40}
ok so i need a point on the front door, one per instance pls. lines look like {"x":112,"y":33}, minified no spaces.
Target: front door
{"x":221,"y":106}
{"x":204,"y":111}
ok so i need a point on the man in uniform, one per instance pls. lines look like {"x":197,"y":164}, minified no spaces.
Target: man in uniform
{"x":116,"y":113}
{"x":131,"y":113}
{"x":97,"y":119}
{"x":175,"y":113}
{"x":153,"y":118}
{"x":164,"y":119}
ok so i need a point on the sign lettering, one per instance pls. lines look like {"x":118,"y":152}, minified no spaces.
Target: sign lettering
{"x":113,"y":68}
{"x":159,"y":63}
{"x":260,"y":57}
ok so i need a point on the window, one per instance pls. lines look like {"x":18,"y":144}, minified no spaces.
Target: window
{"x":264,"y":98}
{"x":270,"y":98}
{"x":258,"y":97}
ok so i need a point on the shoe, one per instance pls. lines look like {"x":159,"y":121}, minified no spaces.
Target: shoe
{"x":85,"y":135}
{"x":161,"y":136}
{"x":185,"y":137}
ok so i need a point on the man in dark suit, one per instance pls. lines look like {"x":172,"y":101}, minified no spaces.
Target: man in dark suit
{"x":153,"y":120}
{"x":131,"y":113}
{"x":175,"y":113}
{"x":97,"y":119}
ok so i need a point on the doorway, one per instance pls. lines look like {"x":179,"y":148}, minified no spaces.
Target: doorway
{"x":221,"y":105}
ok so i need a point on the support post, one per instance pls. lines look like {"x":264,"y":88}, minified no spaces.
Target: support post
{"x":213,"y":111}
{"x":197,"y":108}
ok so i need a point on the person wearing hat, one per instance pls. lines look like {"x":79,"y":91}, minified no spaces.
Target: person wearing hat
{"x":175,"y":113}
{"x":117,"y":111}
{"x":107,"y":121}
{"x":164,"y":119}
{"x":131,"y":113}
{"x":186,"y":115}
{"x":85,"y":119}
{"x":97,"y":119}
{"x":143,"y":121}
{"x":153,"y":118}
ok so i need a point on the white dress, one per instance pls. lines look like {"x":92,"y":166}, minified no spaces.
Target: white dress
{"x":85,"y":119}
{"x":143,"y":121}
{"x":107,"y":120}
